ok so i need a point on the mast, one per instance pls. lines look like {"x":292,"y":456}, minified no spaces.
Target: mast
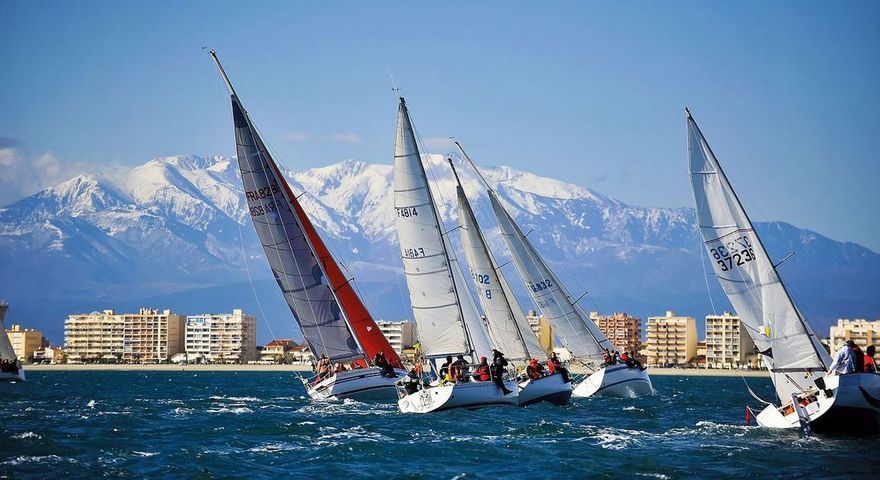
{"x":284,"y":231}
{"x":432,"y":285}
{"x":577,"y":332}
{"x":486,"y":277}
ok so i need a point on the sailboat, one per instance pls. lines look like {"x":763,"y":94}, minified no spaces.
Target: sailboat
{"x":809,"y":398}
{"x":507,"y":323}
{"x":447,"y":318}
{"x":578,"y":333}
{"x":333,"y":320}
{"x":13,"y":370}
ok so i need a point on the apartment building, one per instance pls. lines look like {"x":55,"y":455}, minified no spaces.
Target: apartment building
{"x":149,"y":336}
{"x":401,"y":335}
{"x":25,"y":341}
{"x":541,"y":327}
{"x":728,"y":344}
{"x":94,"y":337}
{"x":672,"y":340}
{"x":222,"y":337}
{"x":623,"y":331}
{"x":860,"y":331}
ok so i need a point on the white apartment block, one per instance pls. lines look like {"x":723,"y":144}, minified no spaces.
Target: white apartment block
{"x":728,"y":344}
{"x":149,"y":336}
{"x":222,"y":338}
{"x":860,"y":331}
{"x":672,"y":340}
{"x":399,"y":334}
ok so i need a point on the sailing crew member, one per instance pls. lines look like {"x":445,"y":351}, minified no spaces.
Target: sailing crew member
{"x":323,"y":368}
{"x":380,"y":361}
{"x":534,"y":370}
{"x":554,"y":365}
{"x":482,"y":372}
{"x":606,"y":358}
{"x":858,"y":359}
{"x":625,"y":358}
{"x":444,"y":369}
{"x":843,"y":360}
{"x":411,"y":381}
{"x":870,"y":366}
{"x":460,"y":369}
{"x":499,"y":363}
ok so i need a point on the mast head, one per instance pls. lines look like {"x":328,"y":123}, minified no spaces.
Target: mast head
{"x":687,"y":112}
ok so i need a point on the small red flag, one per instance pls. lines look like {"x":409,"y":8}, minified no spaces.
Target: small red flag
{"x":748,"y":416}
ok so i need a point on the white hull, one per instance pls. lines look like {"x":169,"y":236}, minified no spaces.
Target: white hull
{"x":616,"y":381}
{"x":12,"y":377}
{"x":853,"y":407}
{"x":545,"y":389}
{"x":459,"y":395}
{"x":363,"y":384}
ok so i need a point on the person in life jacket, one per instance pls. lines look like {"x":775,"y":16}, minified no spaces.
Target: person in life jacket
{"x":625,"y":358}
{"x":555,"y":366}
{"x":870,"y":366}
{"x":535,"y":370}
{"x":606,"y":358}
{"x":482,"y":371}
{"x":444,"y":369}
{"x":499,"y":363}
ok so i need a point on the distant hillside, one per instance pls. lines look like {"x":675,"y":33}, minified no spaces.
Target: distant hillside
{"x":174,"y":234}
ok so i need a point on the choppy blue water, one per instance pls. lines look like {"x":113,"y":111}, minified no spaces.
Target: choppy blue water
{"x":261,"y":425}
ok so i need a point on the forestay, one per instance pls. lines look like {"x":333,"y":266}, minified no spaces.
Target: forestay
{"x":500,"y":309}
{"x":748,"y":275}
{"x":426,"y":264}
{"x":576,"y":331}
{"x":290,"y":256}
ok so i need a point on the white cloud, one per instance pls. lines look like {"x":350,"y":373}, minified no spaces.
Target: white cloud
{"x":340,"y":137}
{"x":23,"y":174}
{"x":441,"y":144}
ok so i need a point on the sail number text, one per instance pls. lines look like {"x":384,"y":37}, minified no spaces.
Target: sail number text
{"x":413,"y":252}
{"x":258,"y":210}
{"x":262,"y":192}
{"x":734,"y":254}
{"x":407,"y":212}
{"x":542,"y":285}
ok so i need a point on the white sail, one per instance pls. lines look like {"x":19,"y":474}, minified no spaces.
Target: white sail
{"x":6,"y":350}
{"x":506,"y":331}
{"x":477,"y":330}
{"x":748,"y":275}
{"x":576,"y":331}
{"x":426,"y":264}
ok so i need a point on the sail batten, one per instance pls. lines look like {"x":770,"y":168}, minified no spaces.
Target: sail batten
{"x":747,"y":273}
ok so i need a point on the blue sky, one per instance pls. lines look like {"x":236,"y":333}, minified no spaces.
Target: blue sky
{"x":589,"y":92}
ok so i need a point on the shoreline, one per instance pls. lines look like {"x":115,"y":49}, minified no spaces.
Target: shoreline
{"x":679,"y":372}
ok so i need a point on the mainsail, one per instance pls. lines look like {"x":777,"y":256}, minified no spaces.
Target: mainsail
{"x":578,"y":333}
{"x":748,"y":275}
{"x":313,"y":289}
{"x":432,"y":274}
{"x":507,"y":324}
{"x":6,"y":350}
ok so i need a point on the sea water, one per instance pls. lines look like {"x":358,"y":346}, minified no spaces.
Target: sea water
{"x":262,"y":425}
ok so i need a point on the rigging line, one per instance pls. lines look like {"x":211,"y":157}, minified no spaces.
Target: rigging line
{"x":251,"y":282}
{"x":703,"y":255}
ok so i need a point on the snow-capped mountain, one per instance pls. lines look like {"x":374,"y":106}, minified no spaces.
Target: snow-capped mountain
{"x":174,"y":233}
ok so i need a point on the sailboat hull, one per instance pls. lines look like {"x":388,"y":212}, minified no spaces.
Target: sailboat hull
{"x":13,"y":377}
{"x":853,"y":407}
{"x":616,"y":381}
{"x":550,"y":389}
{"x":364,"y":384}
{"x":471,"y":395}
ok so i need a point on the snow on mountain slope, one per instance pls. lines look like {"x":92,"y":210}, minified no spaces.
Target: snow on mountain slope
{"x":180,"y":223}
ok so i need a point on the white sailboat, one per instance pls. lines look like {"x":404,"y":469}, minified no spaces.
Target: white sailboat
{"x":507,"y":323}
{"x":447,"y":319}
{"x":334,"y":321}
{"x":12,"y":367}
{"x":809,"y":398}
{"x":578,"y":333}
